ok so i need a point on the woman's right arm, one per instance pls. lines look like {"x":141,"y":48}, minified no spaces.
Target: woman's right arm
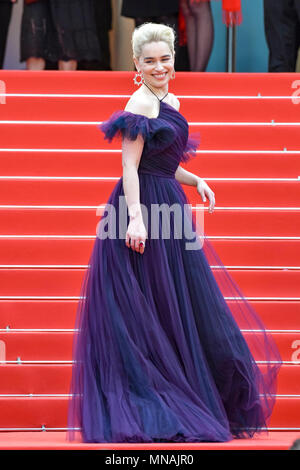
{"x":131,"y":155}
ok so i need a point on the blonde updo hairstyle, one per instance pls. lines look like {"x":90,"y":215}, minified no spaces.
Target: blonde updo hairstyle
{"x":152,"y":32}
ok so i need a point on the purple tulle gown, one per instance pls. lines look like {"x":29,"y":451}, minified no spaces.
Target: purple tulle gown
{"x":159,"y":355}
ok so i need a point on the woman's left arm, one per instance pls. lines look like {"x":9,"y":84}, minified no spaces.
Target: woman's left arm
{"x":186,"y":177}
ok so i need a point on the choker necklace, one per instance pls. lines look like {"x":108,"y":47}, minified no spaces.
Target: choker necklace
{"x":155,"y":93}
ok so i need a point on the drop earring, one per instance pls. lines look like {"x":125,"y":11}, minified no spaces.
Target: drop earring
{"x":138,"y":78}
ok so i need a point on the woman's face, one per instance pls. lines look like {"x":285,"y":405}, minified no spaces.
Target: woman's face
{"x":156,"y":63}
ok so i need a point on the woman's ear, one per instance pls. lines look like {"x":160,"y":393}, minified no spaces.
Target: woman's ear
{"x":136,"y":63}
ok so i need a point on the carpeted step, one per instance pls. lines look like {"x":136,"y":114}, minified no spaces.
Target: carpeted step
{"x":83,"y":222}
{"x":57,"y":346}
{"x":233,"y":252}
{"x":83,"y":108}
{"x":187,"y":83}
{"x":33,"y":412}
{"x":229,"y":137}
{"x":105,"y":163}
{"x":90,"y":192}
{"x":55,"y":379}
{"x":53,"y":314}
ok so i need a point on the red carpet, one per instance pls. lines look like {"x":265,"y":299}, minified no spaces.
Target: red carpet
{"x":56,"y":440}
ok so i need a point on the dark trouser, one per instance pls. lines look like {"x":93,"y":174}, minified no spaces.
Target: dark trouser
{"x":103,"y":19}
{"x":5,"y":15}
{"x":282,"y":29}
{"x":181,"y":57}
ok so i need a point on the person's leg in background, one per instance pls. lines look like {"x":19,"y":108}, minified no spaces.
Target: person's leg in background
{"x":103,"y":20}
{"x":282,"y":23}
{"x":72,"y":26}
{"x":199,"y":32}
{"x":297,"y":11}
{"x":104,"y":24}
{"x":5,"y":15}
{"x":67,"y":64}
{"x":33,"y":34}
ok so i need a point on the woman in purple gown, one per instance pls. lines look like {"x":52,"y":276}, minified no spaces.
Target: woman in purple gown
{"x":158,"y":354}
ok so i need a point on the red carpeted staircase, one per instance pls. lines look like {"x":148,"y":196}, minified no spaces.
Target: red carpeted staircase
{"x":57,"y":171}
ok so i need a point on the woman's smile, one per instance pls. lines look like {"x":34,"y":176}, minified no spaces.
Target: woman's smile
{"x":160,"y":76}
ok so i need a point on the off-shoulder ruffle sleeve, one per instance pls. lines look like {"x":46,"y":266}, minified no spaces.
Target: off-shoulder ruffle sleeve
{"x":156,"y":132}
{"x":192,"y":144}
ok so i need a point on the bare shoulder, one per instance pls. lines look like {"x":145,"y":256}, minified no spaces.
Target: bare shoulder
{"x":174,"y":101}
{"x":140,"y":104}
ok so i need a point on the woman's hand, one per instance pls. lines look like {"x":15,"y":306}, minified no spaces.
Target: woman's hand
{"x":136,"y":233}
{"x":203,"y":189}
